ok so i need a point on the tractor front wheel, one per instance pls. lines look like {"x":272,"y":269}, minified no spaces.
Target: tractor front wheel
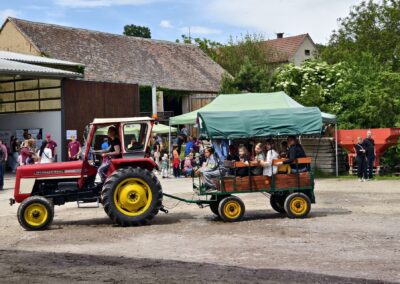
{"x":35,"y":213}
{"x":132,"y":196}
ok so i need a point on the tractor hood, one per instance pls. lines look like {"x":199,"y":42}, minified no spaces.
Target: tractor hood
{"x":61,"y":169}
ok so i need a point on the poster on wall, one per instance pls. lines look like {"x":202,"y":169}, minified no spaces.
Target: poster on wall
{"x":71,"y":133}
{"x":35,"y":133}
{"x":5,"y":135}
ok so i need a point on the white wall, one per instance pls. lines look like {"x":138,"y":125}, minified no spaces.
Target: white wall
{"x":299,"y":56}
{"x":49,"y":121}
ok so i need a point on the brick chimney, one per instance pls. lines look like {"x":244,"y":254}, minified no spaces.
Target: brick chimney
{"x":279,"y":35}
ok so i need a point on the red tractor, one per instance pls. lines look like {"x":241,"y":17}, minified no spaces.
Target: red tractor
{"x":131,"y":194}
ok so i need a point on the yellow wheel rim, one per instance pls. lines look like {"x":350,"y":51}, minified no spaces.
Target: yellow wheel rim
{"x":298,"y":206}
{"x":36,"y":214}
{"x":232,"y":209}
{"x":132,"y":197}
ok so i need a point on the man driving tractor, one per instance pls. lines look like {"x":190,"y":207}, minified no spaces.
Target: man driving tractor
{"x":113,"y":152}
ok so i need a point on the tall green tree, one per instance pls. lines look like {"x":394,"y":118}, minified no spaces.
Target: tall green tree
{"x":373,"y":27}
{"x":138,"y":31}
{"x":208,"y":46}
{"x":362,"y":93}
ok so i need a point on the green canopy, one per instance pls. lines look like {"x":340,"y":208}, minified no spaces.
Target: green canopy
{"x":260,"y":123}
{"x":247,"y":101}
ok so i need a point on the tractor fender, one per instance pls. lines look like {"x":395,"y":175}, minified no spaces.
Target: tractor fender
{"x":144,"y":163}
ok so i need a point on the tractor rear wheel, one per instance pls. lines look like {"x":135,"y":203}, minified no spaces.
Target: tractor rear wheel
{"x":35,"y":213}
{"x":231,"y":209}
{"x":297,"y":205}
{"x":132,"y":196}
{"x":277,"y":202}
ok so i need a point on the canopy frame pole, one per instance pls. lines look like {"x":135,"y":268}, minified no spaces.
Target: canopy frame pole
{"x":336,"y":151}
{"x":169,"y":145}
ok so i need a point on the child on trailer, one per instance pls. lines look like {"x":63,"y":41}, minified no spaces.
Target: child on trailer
{"x":269,"y":170}
{"x":164,"y":166}
{"x":244,"y":158}
{"x":284,"y":168}
{"x":259,"y":158}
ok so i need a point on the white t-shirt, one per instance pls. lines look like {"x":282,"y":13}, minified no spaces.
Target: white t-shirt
{"x":46,"y":156}
{"x":268,"y":168}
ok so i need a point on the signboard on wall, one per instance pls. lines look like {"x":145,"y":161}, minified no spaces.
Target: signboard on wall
{"x":71,"y":133}
{"x":5,"y":135}
{"x":23,"y":134}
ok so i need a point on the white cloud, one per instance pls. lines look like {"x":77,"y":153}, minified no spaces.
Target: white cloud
{"x":200,"y":30}
{"x":100,"y":3}
{"x":316,"y":17}
{"x":8,"y":13}
{"x":166,"y":24}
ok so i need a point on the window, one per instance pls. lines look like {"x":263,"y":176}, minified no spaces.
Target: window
{"x":27,"y":95}
{"x":135,"y":136}
{"x":307,"y":52}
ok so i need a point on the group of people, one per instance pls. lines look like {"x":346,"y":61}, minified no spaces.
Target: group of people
{"x":29,"y":151}
{"x":209,"y":160}
{"x":257,"y":160}
{"x":365,"y":157}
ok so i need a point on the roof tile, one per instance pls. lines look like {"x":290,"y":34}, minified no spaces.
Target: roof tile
{"x":117,"y":58}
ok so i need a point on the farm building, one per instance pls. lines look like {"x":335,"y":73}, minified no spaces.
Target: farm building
{"x":108,"y":71}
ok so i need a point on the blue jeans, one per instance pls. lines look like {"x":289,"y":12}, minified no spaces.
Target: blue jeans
{"x":294,"y":170}
{"x":103,"y":169}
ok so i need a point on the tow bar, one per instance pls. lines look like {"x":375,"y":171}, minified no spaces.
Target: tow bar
{"x":162,"y":209}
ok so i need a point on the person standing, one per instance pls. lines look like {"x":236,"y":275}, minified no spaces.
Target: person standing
{"x":27,"y":152}
{"x":369,"y":145}
{"x":74,"y":149}
{"x":44,"y":155}
{"x":361,"y":159}
{"x":14,"y":151}
{"x":189,"y":146}
{"x":52,"y":145}
{"x":155,"y":150}
{"x":3,"y":159}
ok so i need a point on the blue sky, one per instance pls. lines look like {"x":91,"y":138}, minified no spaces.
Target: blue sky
{"x":167,"y":19}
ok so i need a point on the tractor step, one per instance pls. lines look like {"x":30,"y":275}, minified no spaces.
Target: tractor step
{"x":82,"y":201}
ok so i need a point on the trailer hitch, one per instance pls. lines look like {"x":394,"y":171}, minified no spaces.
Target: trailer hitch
{"x":162,"y":209}
{"x":12,"y":201}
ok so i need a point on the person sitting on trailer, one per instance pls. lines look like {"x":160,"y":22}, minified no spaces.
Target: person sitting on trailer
{"x":210,"y":169}
{"x":271,"y":155}
{"x":259,"y":159}
{"x":244,"y":158}
{"x":295,"y":151}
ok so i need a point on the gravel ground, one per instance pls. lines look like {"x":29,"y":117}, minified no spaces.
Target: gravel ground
{"x":351,"y":236}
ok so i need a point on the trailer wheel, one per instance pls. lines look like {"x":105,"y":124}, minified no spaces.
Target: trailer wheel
{"x":277,"y":202}
{"x":35,"y":213}
{"x":214,"y":205}
{"x":297,"y":205}
{"x":132,"y":196}
{"x":231,"y":209}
